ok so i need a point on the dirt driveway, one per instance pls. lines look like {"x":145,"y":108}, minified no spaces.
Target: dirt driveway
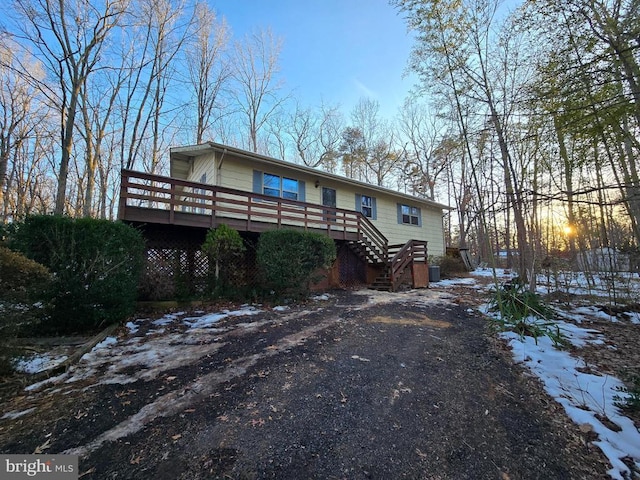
{"x":360,"y":385}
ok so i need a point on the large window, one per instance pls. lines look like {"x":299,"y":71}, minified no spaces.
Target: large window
{"x":277,"y":186}
{"x":409,"y":215}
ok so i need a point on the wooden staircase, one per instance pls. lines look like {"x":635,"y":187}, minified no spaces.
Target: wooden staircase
{"x":372,"y":247}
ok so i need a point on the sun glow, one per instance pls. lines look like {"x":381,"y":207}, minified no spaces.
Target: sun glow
{"x":569,"y":230}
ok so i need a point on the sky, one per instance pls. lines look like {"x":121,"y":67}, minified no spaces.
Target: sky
{"x":336,"y":51}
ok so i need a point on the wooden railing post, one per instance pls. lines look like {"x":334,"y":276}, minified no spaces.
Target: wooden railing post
{"x":172,"y":202}
{"x":124,"y":183}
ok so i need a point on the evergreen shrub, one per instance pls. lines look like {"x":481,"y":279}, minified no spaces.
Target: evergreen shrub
{"x":289,"y":259}
{"x":96,"y":266}
{"x":23,"y":283}
{"x":224,"y":249}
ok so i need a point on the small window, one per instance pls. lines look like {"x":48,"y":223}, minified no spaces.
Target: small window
{"x":409,"y":215}
{"x":367,"y":206}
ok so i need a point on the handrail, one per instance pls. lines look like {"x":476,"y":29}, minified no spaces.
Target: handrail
{"x":375,"y":236}
{"x":410,"y":252}
{"x":146,"y":190}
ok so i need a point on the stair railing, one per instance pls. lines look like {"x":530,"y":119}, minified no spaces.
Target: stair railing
{"x":373,"y":238}
{"x":413,"y":251}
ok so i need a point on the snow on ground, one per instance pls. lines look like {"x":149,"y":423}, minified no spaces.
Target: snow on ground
{"x":588,"y":397}
{"x":134,"y":355}
{"x":38,"y":363}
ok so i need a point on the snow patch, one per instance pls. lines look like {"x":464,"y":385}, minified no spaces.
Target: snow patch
{"x":584,"y":394}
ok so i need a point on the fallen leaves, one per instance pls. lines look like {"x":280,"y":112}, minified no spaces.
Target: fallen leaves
{"x":257,"y":422}
{"x":41,"y":448}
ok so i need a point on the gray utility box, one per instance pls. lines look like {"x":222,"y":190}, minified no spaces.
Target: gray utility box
{"x":434,"y":273}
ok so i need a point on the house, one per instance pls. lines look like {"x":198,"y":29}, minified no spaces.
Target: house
{"x":604,"y":259}
{"x":382,"y":235}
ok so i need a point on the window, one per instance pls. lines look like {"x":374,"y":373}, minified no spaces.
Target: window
{"x":289,"y":188}
{"x":277,"y":186}
{"x":409,"y":215}
{"x":271,"y":185}
{"x":366,"y":205}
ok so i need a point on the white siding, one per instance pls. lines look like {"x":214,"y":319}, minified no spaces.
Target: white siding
{"x":203,"y":165}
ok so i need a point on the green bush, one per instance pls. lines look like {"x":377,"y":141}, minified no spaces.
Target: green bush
{"x":224,"y":248}
{"x":20,"y":277}
{"x":22,"y":282}
{"x":96,"y":264}
{"x":524,"y":312}
{"x":288,"y":259}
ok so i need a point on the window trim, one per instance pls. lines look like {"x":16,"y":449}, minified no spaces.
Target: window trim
{"x":413,"y":213}
{"x":259,"y":186}
{"x":360,"y":206}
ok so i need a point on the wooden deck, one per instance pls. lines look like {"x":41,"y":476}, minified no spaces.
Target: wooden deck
{"x":154,"y":199}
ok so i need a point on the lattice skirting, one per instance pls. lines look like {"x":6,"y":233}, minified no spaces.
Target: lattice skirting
{"x":176,"y":267}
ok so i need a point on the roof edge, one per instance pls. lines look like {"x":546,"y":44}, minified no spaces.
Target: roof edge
{"x":219,"y":147}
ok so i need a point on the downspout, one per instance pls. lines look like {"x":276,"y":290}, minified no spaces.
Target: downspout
{"x":218,"y":173}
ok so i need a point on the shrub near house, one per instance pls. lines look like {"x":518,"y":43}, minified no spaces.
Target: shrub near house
{"x":289,"y":258}
{"x":96,"y":265}
{"x":23,"y":283}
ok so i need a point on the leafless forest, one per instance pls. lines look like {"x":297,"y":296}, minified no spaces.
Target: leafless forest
{"x":527,"y":125}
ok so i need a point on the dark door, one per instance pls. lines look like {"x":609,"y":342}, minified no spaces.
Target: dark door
{"x":329,"y":200}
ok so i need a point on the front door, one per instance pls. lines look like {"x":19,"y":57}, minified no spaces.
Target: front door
{"x":329,"y":200}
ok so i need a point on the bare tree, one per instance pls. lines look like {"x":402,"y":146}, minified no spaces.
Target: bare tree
{"x":23,"y":124}
{"x":316,"y":135}
{"x":98,"y":104}
{"x":421,"y":166}
{"x":455,"y":50}
{"x":255,"y":74}
{"x":68,"y":38}
{"x":380,"y":159}
{"x":209,"y":67}
{"x":160,"y":29}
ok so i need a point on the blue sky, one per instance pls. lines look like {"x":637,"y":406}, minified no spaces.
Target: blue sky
{"x":333,"y":50}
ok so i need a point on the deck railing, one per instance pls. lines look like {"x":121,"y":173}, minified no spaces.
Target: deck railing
{"x":155,"y":198}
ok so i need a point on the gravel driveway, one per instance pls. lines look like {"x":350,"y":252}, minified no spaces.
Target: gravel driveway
{"x":360,"y":385}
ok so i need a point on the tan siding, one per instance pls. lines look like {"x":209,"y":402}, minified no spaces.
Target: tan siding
{"x":237,"y":173}
{"x":203,"y":164}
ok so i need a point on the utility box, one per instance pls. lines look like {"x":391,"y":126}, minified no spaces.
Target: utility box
{"x":434,"y":273}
